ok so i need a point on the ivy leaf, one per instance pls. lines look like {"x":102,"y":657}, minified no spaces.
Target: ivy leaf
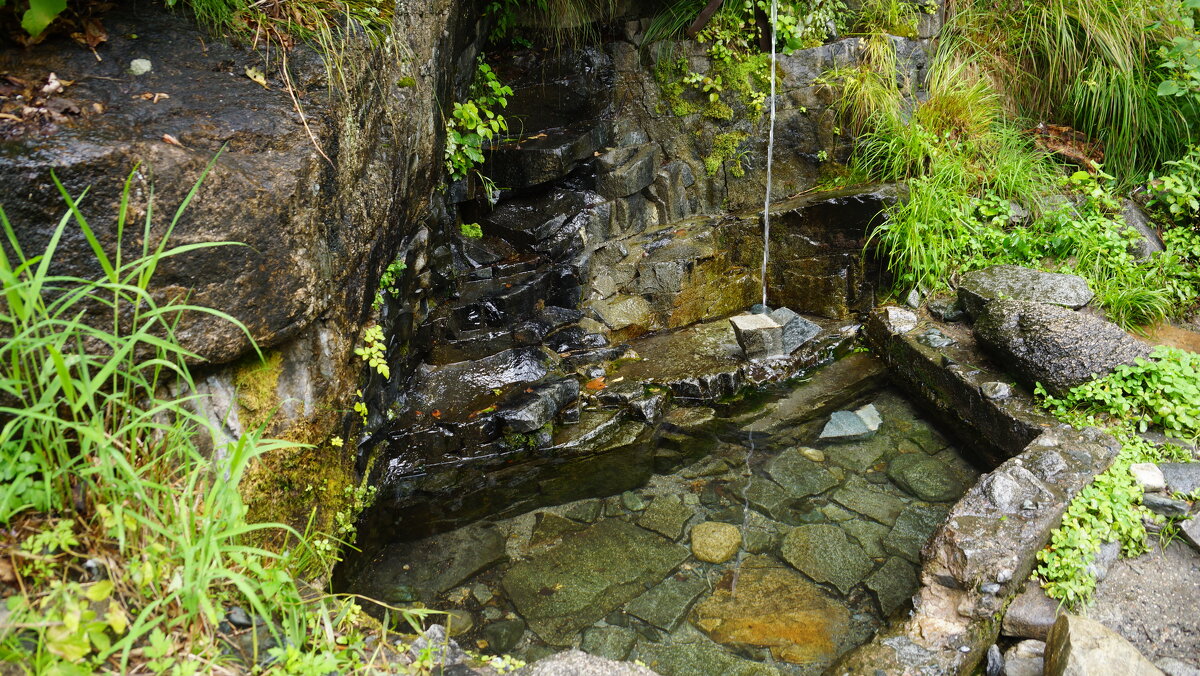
{"x":40,"y":14}
{"x":100,"y":590}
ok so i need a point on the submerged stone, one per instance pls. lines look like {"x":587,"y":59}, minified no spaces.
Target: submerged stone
{"x":503,"y":635}
{"x":925,"y":477}
{"x":824,"y":553}
{"x":894,"y":583}
{"x":612,"y":643}
{"x":912,"y":530}
{"x":776,"y":608}
{"x":663,"y":606}
{"x":666,"y":515}
{"x":846,"y":426}
{"x":572,"y":585}
{"x":798,"y":475}
{"x":858,"y":497}
{"x":715,"y":542}
{"x":421,"y":570}
{"x":550,"y":527}
{"x":699,"y":658}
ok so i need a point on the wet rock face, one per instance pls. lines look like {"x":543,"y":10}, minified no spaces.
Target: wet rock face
{"x":314,"y":234}
{"x":1054,"y":346}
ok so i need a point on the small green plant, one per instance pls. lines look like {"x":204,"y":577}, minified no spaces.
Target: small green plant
{"x":726,"y":150}
{"x":39,"y":15}
{"x":374,"y":350}
{"x":1179,"y":188}
{"x":475,"y":122}
{"x":471,"y":230}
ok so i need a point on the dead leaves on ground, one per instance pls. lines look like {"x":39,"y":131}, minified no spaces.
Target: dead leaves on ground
{"x":1072,"y":145}
{"x":41,"y":105}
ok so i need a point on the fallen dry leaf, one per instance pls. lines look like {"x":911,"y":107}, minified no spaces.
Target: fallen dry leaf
{"x":595,"y":384}
{"x":167,"y":138}
{"x":9,"y":116}
{"x":257,"y":75}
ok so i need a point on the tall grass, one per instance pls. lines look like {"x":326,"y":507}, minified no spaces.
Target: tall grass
{"x":101,"y":463}
{"x":1088,"y":64}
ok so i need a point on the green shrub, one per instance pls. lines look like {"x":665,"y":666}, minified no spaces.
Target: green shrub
{"x":475,"y":122}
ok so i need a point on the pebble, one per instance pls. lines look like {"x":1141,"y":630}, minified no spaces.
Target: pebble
{"x":1163,"y":506}
{"x":238,"y":617}
{"x":1149,"y":476}
{"x":481,"y":593}
{"x":812,"y":454}
{"x":632,"y":501}
{"x":996,"y":391}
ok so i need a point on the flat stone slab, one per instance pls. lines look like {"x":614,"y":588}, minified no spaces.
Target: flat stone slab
{"x":925,"y":477}
{"x":913,"y":529}
{"x":798,"y":475}
{"x":666,"y":515}
{"x":665,"y":605}
{"x":775,"y":607}
{"x":571,"y":586}
{"x":1014,"y":282}
{"x":826,"y":554}
{"x":612,"y":643}
{"x":699,"y":658}
{"x":877,"y":505}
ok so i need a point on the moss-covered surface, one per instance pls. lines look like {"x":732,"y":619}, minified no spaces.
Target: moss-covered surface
{"x":306,"y":487}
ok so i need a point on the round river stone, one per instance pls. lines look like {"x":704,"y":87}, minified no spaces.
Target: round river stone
{"x":715,"y":542}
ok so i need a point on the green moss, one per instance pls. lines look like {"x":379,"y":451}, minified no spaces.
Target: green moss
{"x":406,"y":82}
{"x":725,"y":149}
{"x":305,"y":487}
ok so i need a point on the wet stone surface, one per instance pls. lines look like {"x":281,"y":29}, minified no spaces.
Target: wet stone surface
{"x":825,"y":537}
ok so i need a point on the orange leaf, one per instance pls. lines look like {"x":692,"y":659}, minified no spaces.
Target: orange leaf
{"x":596,"y":384}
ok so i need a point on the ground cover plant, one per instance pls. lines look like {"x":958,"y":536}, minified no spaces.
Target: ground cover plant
{"x":1161,"y":393}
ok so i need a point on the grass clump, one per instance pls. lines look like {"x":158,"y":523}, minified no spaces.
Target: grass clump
{"x":1163,"y":392}
{"x":123,"y":543}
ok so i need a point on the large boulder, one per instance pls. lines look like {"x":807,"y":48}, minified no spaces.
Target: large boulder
{"x":1054,"y":346}
{"x":1078,"y":646}
{"x":1014,"y":282}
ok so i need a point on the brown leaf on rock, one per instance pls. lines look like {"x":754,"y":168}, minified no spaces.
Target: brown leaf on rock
{"x":595,"y":384}
{"x":167,"y":138}
{"x":1073,"y":145}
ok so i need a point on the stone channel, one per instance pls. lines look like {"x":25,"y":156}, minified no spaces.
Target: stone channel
{"x":845,"y":482}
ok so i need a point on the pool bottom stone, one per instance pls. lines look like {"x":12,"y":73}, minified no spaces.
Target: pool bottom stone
{"x":829,"y":550}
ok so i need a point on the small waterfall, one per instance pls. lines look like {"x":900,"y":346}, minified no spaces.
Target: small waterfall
{"x":770,"y":158}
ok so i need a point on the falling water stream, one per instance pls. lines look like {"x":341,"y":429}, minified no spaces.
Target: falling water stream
{"x":766,"y":256}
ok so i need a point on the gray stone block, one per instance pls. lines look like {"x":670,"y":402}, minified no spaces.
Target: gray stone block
{"x":796,"y":329}
{"x":758,"y":335}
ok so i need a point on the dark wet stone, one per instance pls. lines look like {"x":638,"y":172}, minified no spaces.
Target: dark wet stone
{"x":894,"y":584}
{"x":824,"y":553}
{"x":1054,"y":346}
{"x":534,"y":409}
{"x":925,"y":477}
{"x":533,"y":161}
{"x":1148,"y":241}
{"x":665,"y":605}
{"x":1164,"y":506}
{"x":624,"y":171}
{"x":612,"y":643}
{"x":796,"y":329}
{"x":912,"y":530}
{"x":431,"y":566}
{"x":503,"y":635}
{"x":846,"y":426}
{"x":1181,"y":477}
{"x":798,"y":475}
{"x":946,"y":309}
{"x":666,"y":515}
{"x":1014,"y":282}
{"x":570,"y":586}
{"x":758,"y":335}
